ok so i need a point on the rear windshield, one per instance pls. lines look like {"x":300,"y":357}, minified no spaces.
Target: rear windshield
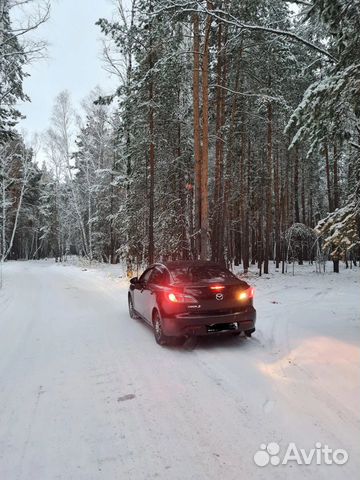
{"x":203,"y":273}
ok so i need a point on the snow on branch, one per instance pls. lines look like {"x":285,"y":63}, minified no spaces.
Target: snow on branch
{"x":230,"y":19}
{"x":340,"y":229}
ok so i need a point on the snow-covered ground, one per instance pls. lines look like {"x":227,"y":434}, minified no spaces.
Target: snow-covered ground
{"x":86,"y":394}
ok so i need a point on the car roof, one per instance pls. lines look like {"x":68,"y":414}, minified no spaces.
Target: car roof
{"x":189,"y":263}
{"x":172,"y":265}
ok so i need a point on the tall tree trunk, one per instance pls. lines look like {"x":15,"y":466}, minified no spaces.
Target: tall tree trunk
{"x":111,"y":223}
{"x":228,"y":167}
{"x":336,"y":179}
{"x":151,"y":248}
{"x":216,"y":228}
{"x":246,"y":232}
{"x":182,"y":193}
{"x":205,"y":146}
{"x":197,"y":139}
{"x":286,"y":216}
{"x":260,"y":249}
{"x":284,"y":180}
{"x":328,"y":179}
{"x":18,"y":209}
{"x":218,"y":218}
{"x":242,"y":186}
{"x":296,"y":186}
{"x":303,"y":201}
{"x":129,"y":73}
{"x":311,"y":209}
{"x":277,"y":210}
{"x":269,"y":154}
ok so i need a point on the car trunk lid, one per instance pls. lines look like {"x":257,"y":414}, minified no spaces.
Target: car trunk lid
{"x":216,"y":297}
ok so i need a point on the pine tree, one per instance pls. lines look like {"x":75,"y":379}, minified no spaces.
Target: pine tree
{"x":12,"y":60}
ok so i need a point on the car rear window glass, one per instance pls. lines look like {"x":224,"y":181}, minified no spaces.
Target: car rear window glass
{"x":146,"y":275}
{"x":159,"y":276}
{"x":201,"y":273}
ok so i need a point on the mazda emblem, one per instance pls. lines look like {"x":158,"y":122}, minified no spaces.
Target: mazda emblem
{"x":219,"y":296}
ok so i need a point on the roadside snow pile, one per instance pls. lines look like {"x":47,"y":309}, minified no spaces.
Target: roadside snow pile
{"x":116,"y":272}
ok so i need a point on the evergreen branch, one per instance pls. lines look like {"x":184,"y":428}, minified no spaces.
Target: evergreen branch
{"x":230,"y":19}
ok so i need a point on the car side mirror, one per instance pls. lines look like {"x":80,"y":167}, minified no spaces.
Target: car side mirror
{"x":134,"y":281}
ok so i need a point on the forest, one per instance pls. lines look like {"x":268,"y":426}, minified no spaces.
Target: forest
{"x":233,"y":135}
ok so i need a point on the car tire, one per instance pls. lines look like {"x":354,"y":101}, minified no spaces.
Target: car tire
{"x":131,"y":308}
{"x":160,"y":338}
{"x":248,"y":333}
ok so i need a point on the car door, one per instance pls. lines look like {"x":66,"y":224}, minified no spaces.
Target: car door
{"x":140,"y":293}
{"x":158,"y":278}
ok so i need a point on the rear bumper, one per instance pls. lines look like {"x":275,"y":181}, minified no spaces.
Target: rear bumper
{"x":186,"y":325}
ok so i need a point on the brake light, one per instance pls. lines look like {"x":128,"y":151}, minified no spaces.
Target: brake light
{"x":175,"y":297}
{"x":246,"y":294}
{"x":217,"y":288}
{"x":172,"y":297}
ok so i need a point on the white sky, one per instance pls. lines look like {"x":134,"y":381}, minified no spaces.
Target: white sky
{"x":74,"y":61}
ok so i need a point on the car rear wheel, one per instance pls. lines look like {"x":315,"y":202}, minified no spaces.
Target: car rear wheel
{"x":160,"y":338}
{"x":131,"y":308}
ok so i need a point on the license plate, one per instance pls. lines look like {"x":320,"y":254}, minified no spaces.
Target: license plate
{"x":222,"y":327}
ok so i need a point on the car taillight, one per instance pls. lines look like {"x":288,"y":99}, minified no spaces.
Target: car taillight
{"x":172,"y":297}
{"x":246,"y":294}
{"x":175,"y":297}
{"x":217,"y":288}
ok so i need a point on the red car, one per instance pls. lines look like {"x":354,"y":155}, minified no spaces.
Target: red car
{"x":190,"y":298}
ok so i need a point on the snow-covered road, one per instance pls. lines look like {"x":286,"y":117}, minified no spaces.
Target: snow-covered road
{"x":86,"y":394}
